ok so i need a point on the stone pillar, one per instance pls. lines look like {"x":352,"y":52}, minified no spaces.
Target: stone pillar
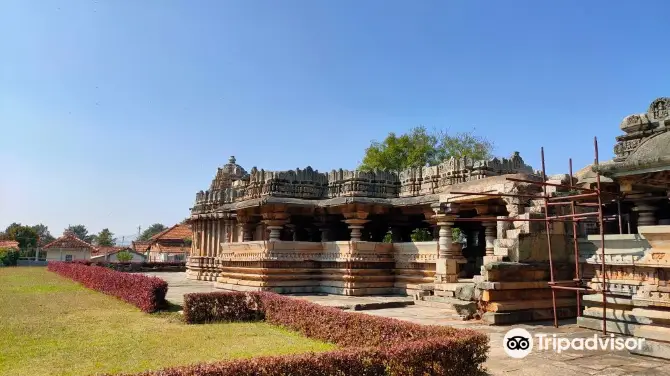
{"x":201,"y":225}
{"x":645,"y":212}
{"x":217,"y":243}
{"x":325,"y":233}
{"x":490,"y":236}
{"x":323,"y":223}
{"x":210,"y":235}
{"x":355,"y":226}
{"x":446,"y":267}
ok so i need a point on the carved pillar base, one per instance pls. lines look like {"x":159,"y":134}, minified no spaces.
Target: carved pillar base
{"x":355,"y":226}
{"x":275,"y":228}
{"x":490,"y":236}
{"x":356,"y":216}
{"x":274,"y":217}
{"x":646,"y":214}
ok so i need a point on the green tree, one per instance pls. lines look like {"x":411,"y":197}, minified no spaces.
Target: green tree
{"x":124,"y":256}
{"x":151,"y":231}
{"x":105,"y":238}
{"x":43,"y":233}
{"x":419,"y":147}
{"x":8,"y":257}
{"x":25,"y":235}
{"x":81,"y":232}
{"x":396,"y":153}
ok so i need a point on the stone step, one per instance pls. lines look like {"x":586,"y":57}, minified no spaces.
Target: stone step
{"x":465,"y":309}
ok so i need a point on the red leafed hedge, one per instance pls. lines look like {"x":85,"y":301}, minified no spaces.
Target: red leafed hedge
{"x":369,"y":345}
{"x":147,"y":293}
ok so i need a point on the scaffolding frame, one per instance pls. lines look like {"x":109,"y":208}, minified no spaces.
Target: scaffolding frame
{"x":573,"y":201}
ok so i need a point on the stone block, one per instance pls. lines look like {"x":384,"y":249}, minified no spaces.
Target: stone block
{"x":657,"y":333}
{"x":653,"y":349}
{"x":517,"y":305}
{"x":506,"y":318}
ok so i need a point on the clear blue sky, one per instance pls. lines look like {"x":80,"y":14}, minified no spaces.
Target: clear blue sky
{"x":114,"y":113}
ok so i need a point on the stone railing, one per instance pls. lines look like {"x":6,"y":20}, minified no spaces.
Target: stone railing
{"x":340,"y":251}
{"x":312,"y":184}
{"x":415,"y":252}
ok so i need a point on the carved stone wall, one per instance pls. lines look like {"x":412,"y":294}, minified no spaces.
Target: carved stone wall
{"x":638,"y":128}
{"x":637,"y":283}
{"x":233,"y":184}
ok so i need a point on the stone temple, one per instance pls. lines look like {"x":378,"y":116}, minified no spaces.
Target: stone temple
{"x":350,"y":232}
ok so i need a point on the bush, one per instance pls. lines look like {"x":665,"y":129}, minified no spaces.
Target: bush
{"x":369,"y":345}
{"x":8,"y":256}
{"x":146,"y":293}
{"x":138,"y":266}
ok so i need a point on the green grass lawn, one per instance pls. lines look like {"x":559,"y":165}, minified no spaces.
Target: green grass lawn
{"x":50,"y":325}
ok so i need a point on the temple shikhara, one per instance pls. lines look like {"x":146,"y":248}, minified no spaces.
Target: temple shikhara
{"x":519,"y":233}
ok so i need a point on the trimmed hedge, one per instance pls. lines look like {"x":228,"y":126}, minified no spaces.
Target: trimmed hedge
{"x":146,"y":293}
{"x":369,"y":345}
{"x":154,"y":266}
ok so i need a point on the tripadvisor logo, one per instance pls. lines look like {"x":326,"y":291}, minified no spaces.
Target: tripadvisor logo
{"x":518,"y":343}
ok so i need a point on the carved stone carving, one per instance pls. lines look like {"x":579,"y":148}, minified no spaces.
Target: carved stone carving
{"x":660,"y":109}
{"x":233,"y":184}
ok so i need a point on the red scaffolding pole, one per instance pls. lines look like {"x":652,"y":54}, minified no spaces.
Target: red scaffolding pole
{"x":573,"y":201}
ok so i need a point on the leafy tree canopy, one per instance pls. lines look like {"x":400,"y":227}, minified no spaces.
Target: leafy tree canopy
{"x":25,"y":235}
{"x":151,"y":231}
{"x":419,"y":147}
{"x":43,"y":233}
{"x":105,"y":238}
{"x":124,"y":256}
{"x":81,"y":232}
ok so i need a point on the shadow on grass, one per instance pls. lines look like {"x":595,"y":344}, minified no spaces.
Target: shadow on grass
{"x":171,"y":312}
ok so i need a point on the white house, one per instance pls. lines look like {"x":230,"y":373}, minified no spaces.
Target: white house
{"x":69,"y":248}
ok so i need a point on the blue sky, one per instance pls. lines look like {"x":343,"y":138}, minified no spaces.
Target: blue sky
{"x":114,"y":113}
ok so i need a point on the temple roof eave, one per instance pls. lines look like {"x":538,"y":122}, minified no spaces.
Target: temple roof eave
{"x":633,"y":167}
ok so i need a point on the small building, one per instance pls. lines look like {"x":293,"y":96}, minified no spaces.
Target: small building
{"x":109,"y":254}
{"x":171,"y":245}
{"x":69,"y":248}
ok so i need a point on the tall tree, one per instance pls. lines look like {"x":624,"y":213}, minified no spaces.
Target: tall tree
{"x":151,"y":231}
{"x":25,"y":235}
{"x":419,"y":147}
{"x":43,"y":233}
{"x":105,"y":238}
{"x":395,"y":153}
{"x":81,"y":232}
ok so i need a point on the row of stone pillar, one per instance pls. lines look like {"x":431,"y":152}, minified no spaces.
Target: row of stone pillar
{"x":208,"y":234}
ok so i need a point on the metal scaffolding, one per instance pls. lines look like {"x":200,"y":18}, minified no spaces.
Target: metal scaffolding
{"x":579,"y":199}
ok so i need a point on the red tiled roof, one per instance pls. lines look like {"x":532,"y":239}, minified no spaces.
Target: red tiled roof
{"x":170,"y":248}
{"x":69,"y":240}
{"x":106,"y":250}
{"x":141,"y":245}
{"x":176,"y":232}
{"x":9,"y":244}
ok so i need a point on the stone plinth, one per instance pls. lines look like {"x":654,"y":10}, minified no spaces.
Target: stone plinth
{"x":514,"y":292}
{"x":346,"y":268}
{"x":414,"y":265}
{"x":637,"y":283}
